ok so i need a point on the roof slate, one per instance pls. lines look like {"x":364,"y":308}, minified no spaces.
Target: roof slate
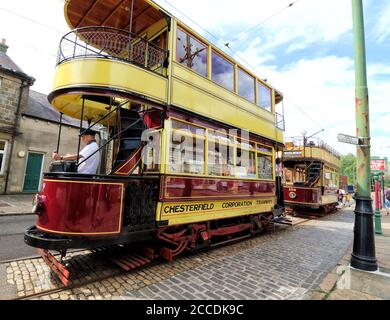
{"x":38,"y":106}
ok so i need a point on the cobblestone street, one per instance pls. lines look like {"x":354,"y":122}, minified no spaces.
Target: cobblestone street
{"x":284,"y":265}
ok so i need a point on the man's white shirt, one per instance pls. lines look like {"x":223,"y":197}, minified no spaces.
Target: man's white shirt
{"x":91,"y":165}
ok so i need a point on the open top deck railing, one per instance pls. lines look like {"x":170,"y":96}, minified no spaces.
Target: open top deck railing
{"x":298,"y":142}
{"x":112,"y":43}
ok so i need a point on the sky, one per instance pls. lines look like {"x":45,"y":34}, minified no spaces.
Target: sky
{"x":305,"y":51}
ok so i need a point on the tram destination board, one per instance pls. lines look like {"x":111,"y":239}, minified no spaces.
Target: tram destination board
{"x":349,"y":139}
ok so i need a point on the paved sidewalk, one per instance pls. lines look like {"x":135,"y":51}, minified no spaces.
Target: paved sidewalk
{"x":346,"y":283}
{"x":16,"y":204}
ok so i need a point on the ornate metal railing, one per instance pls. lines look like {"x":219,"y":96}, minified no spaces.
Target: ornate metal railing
{"x":112,"y":43}
{"x":280,"y":122}
{"x":312,"y":142}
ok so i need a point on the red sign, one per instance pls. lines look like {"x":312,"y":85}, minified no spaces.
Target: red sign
{"x":378,"y":165}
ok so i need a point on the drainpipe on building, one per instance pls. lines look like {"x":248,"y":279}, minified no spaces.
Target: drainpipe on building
{"x":24,"y":84}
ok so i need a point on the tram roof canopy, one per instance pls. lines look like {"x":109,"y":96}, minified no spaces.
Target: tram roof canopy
{"x":112,"y":13}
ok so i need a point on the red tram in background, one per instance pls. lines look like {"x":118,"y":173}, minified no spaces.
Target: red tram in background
{"x":188,"y":138}
{"x":311,"y":173}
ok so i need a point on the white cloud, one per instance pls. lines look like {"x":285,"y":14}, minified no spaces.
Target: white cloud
{"x":324,"y":88}
{"x":33,"y":36}
{"x":383,"y":24}
{"x":306,"y":22}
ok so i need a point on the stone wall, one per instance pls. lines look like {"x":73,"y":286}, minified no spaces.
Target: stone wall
{"x":9,"y":98}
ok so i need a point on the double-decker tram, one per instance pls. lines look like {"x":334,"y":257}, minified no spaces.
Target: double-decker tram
{"x":311,"y":176}
{"x":187,"y":137}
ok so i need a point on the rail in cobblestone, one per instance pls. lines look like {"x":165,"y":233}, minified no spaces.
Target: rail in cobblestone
{"x":103,"y":280}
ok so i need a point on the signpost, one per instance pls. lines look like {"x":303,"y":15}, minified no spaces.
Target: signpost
{"x":349,"y":139}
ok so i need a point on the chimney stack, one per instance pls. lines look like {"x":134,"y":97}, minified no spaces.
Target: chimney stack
{"x":3,"y":46}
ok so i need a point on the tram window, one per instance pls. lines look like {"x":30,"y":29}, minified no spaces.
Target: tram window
{"x":161,"y":40}
{"x":191,"y":52}
{"x":222,"y":71}
{"x":188,"y":127}
{"x":288,"y":175}
{"x":246,"y":85}
{"x":246,"y":163}
{"x":264,"y":93}
{"x":265,"y":167}
{"x":155,"y":57}
{"x":220,"y":159}
{"x":186,"y":153}
{"x":300,"y":175}
{"x":152,"y":151}
{"x":264,"y":149}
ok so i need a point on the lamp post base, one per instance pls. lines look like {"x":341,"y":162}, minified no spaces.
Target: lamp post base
{"x":363,"y":256}
{"x":378,"y":222}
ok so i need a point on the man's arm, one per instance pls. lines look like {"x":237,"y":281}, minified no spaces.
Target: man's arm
{"x":68,"y":157}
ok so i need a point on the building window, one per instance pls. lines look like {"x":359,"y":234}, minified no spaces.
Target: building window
{"x":3,"y":155}
{"x":265,"y":100}
{"x":246,"y":85}
{"x":191,"y":52}
{"x":222,"y":71}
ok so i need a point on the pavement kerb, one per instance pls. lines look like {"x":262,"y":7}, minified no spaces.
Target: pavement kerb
{"x":329,"y":283}
{"x":15,"y":214}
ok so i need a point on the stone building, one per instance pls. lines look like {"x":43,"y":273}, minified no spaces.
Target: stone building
{"x":28,"y":130}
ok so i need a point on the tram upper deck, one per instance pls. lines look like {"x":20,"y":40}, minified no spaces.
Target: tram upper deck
{"x":133,"y":50}
{"x":301,"y":149}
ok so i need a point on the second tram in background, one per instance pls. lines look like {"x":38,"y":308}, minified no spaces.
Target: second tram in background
{"x":311,"y":174}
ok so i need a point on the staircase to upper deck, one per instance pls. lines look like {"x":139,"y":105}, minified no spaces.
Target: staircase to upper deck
{"x":313,"y":173}
{"x":130,"y":140}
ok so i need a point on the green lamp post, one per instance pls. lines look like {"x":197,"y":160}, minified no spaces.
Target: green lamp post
{"x":378,"y":215}
{"x":363,"y":256}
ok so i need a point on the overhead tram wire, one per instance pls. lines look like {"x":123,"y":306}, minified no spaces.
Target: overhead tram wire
{"x":212,"y":35}
{"x":32,"y":20}
{"x":242,"y":59}
{"x":305,"y":113}
{"x":242,"y":34}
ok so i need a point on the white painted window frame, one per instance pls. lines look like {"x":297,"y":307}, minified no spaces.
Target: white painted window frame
{"x":4,"y":153}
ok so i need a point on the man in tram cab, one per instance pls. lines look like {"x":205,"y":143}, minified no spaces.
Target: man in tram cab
{"x":89,"y":152}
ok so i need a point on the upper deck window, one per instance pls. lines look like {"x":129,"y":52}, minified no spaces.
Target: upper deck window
{"x":222,"y":71}
{"x":191,"y":52}
{"x":265,"y":100}
{"x":246,"y":85}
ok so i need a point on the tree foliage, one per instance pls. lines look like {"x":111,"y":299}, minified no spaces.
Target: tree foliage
{"x":348,"y":168}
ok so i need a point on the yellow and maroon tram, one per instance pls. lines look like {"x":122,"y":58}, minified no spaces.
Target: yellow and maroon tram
{"x":311,"y":176}
{"x":188,"y":136}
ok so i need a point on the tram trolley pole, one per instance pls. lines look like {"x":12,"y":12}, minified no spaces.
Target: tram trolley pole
{"x":363,"y":256}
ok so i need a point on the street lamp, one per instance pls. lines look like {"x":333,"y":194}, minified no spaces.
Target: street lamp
{"x":363,"y":256}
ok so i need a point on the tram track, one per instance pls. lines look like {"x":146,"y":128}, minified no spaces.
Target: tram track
{"x":70,"y":287}
{"x":115,"y":273}
{"x":33,"y":257}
